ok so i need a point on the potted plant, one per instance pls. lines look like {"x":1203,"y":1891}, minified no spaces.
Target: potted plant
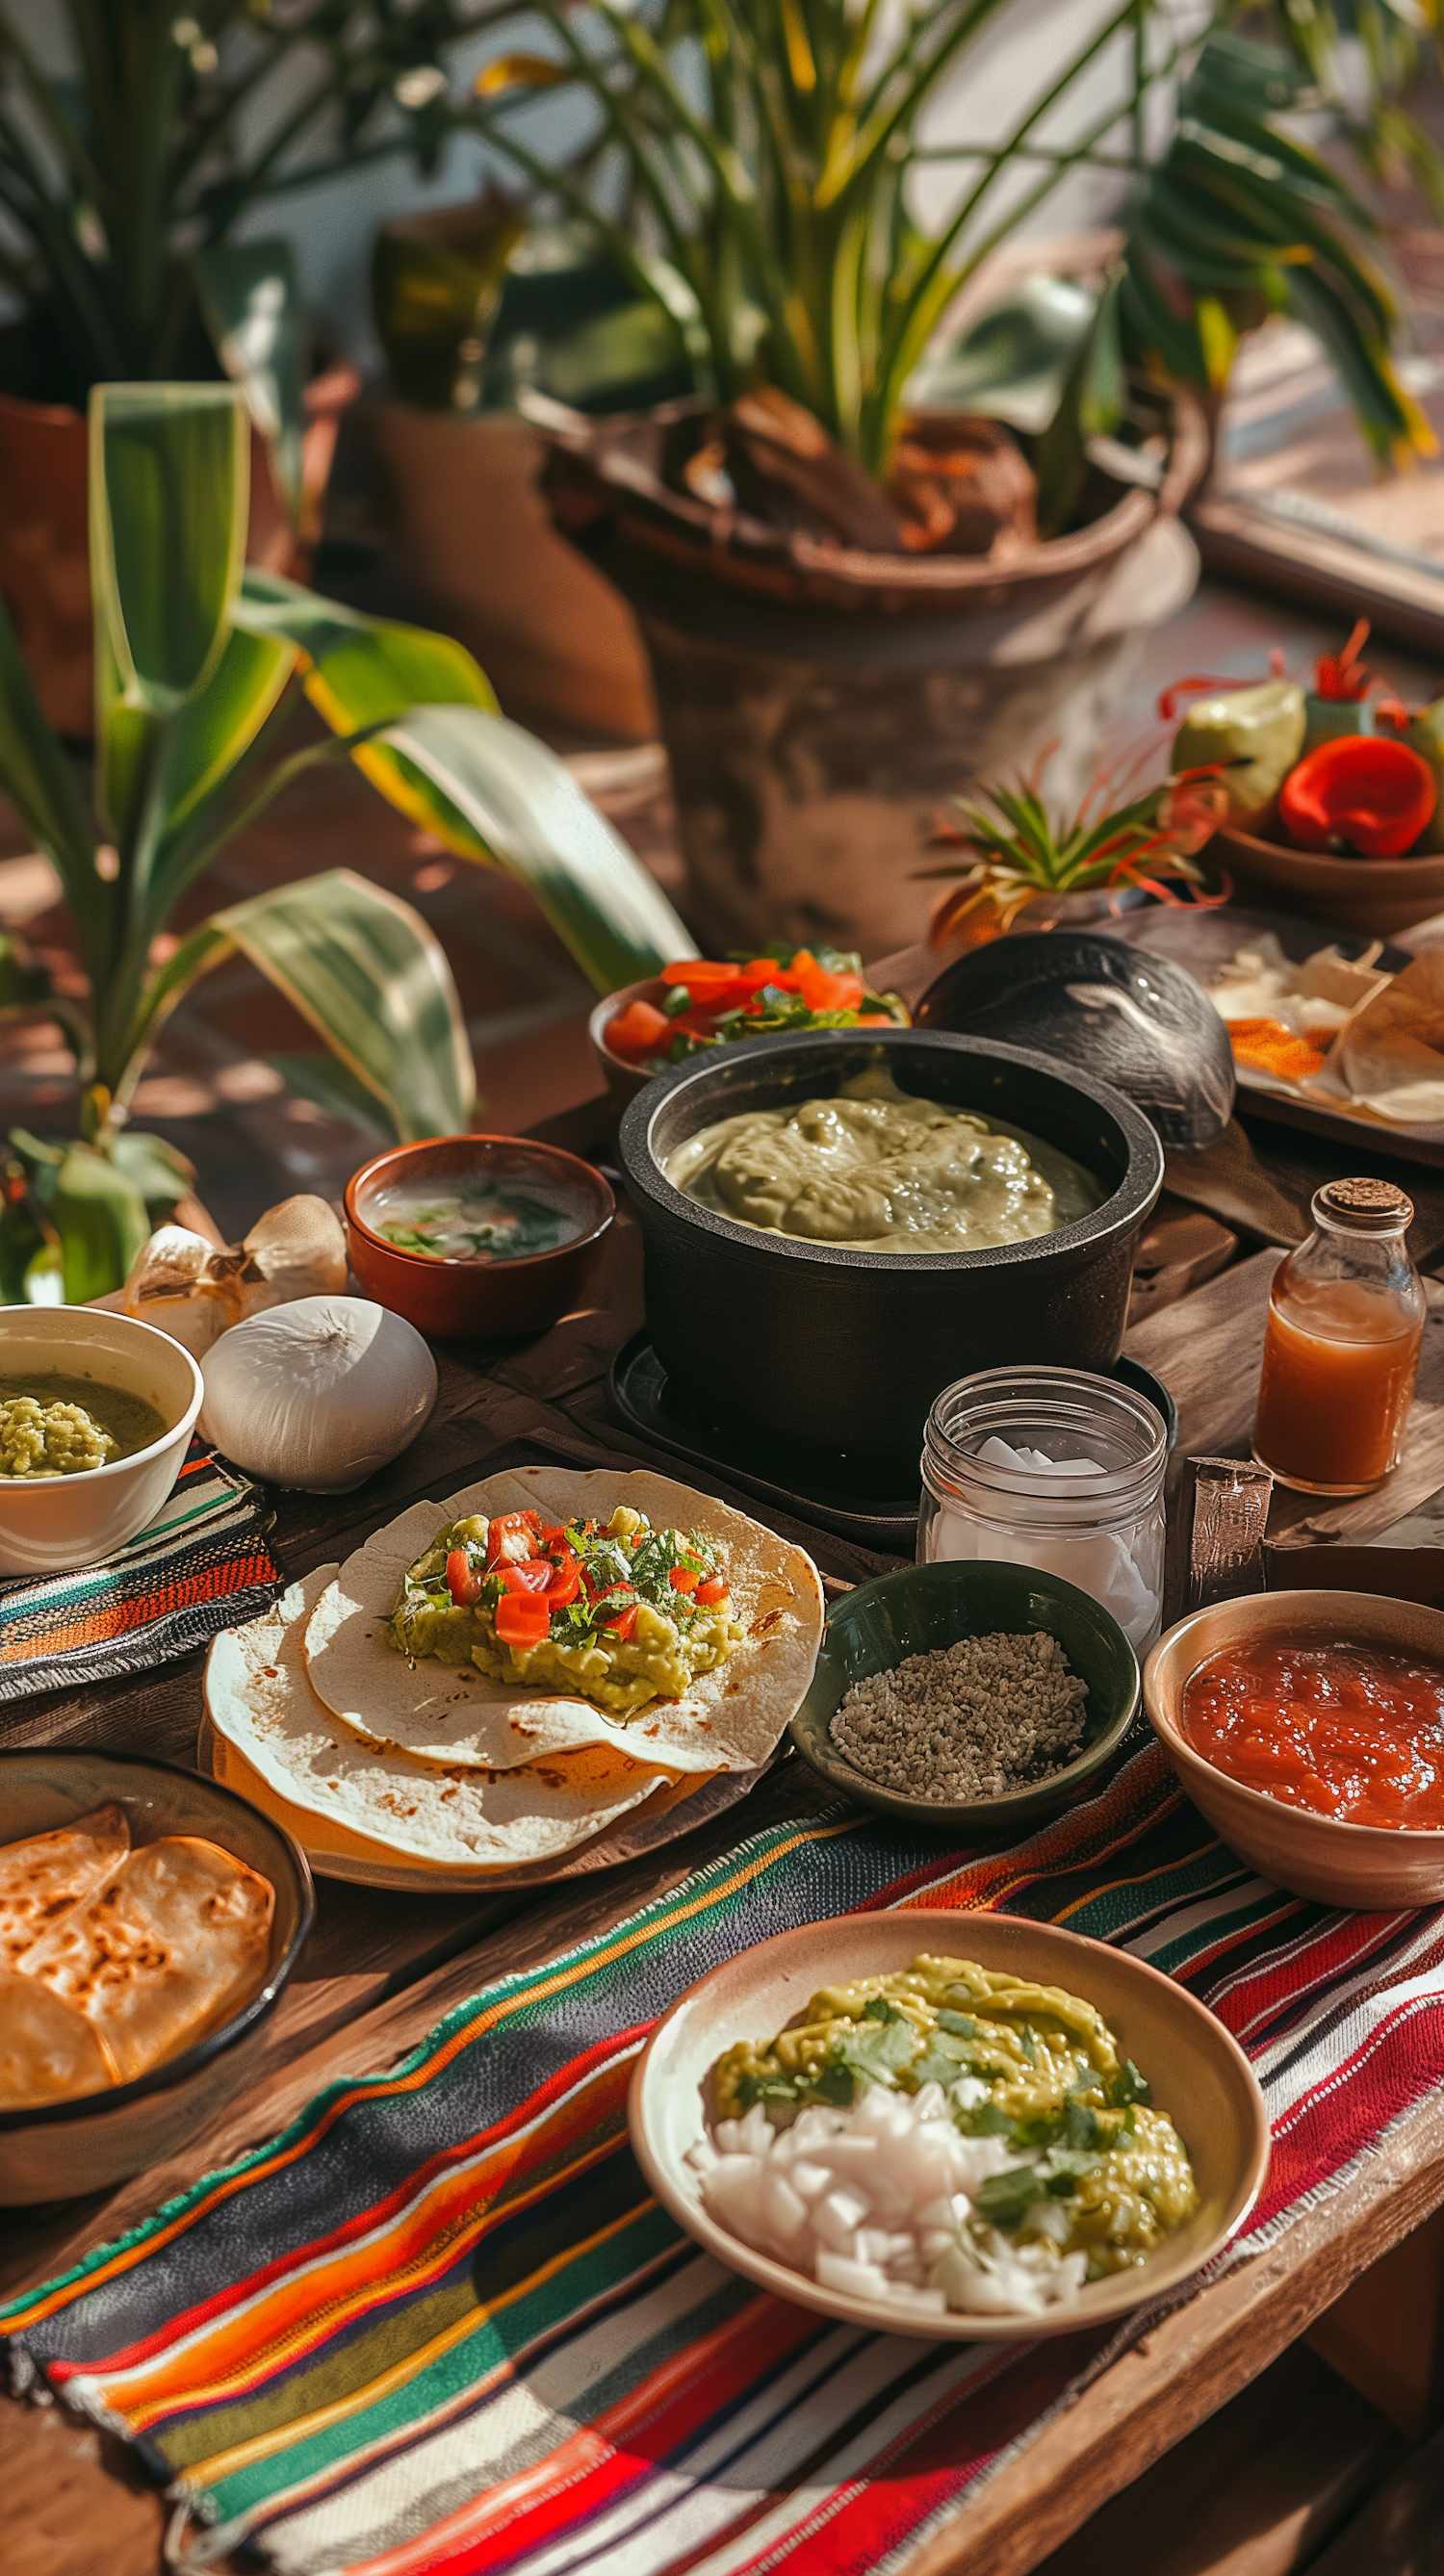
{"x":193,"y":651}
{"x":830,"y":665}
{"x":123,"y":180}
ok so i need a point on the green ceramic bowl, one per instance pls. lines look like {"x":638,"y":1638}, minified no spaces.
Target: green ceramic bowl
{"x":921,"y":1607}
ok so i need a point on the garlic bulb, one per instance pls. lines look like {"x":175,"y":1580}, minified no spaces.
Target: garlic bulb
{"x":195,"y":1292}
{"x":181,"y":1283}
{"x":318,"y":1393}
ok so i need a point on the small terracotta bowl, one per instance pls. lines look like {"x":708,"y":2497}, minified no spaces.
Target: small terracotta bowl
{"x":1373,"y":896}
{"x":623,"y":1078}
{"x":478,"y":1300}
{"x":1370,"y":1867}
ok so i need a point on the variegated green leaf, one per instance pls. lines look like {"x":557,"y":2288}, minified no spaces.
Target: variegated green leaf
{"x":251,"y":301}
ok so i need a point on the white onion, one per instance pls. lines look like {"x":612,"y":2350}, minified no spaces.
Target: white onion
{"x":319,"y":1393}
{"x":876,"y":2201}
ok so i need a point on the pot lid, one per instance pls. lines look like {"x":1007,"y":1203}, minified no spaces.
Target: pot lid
{"x":1116,"y":1012}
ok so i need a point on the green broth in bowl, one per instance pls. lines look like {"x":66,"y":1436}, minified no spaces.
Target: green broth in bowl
{"x":52,"y":1424}
{"x":472,"y":1221}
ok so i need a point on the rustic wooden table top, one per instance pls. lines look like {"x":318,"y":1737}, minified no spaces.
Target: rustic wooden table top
{"x":381,"y":1969}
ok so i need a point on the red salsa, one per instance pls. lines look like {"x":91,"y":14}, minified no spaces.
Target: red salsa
{"x":1350,"y":1731}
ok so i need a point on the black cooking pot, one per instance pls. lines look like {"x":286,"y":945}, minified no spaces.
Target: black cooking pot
{"x":844,"y":1350}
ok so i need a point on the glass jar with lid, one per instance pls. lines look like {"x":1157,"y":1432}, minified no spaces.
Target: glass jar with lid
{"x":1056,"y":1468}
{"x":1346,"y":1312}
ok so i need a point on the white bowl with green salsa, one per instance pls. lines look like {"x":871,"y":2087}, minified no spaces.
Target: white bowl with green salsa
{"x":96,"y":1412}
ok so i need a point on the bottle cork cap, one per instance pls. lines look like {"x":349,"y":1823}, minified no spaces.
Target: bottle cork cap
{"x":1365,"y":1203}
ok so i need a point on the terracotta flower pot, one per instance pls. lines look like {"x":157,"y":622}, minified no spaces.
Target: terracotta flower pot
{"x":820,"y":704}
{"x":44,"y":534}
{"x":1374,"y":896}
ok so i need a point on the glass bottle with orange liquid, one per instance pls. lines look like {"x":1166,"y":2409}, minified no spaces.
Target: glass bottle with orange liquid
{"x":1345,"y":1316}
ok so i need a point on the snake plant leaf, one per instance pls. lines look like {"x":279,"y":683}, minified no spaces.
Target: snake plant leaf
{"x":250,"y":298}
{"x":169,"y":485}
{"x":528,"y":811}
{"x":368,"y":975}
{"x":40,"y":782}
{"x":487,"y":788}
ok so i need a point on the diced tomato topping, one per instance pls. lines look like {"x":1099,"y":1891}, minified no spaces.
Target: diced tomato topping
{"x":640,"y":1030}
{"x":511,"y":1538}
{"x":534,"y":1576}
{"x":714,"y":1589}
{"x":684,"y":1578}
{"x":621,"y":1622}
{"x":566,"y":1580}
{"x":522,"y":1619}
{"x":553,"y":1534}
{"x":463,"y":1579}
{"x":822,"y":991}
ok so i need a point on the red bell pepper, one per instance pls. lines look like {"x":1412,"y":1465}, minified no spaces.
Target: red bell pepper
{"x":1361,"y":788}
{"x":522,"y":1619}
{"x":463,"y":1579}
{"x":684,"y":1578}
{"x":713,"y":1590}
{"x":620,"y":1623}
{"x":640,"y":1030}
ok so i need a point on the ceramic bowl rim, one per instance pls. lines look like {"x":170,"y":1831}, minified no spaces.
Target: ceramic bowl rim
{"x":426,"y":1264}
{"x":182,"y":1426}
{"x":173,"y":2071}
{"x":609,"y":1008}
{"x":1125,"y":1206}
{"x":1400,"y":872}
{"x":979,"y":1814}
{"x":1362,"y":1838}
{"x":1155,"y":2278}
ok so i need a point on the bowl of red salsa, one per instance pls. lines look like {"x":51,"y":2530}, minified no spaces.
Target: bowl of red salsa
{"x":701,"y":1002}
{"x":1308,"y":1728}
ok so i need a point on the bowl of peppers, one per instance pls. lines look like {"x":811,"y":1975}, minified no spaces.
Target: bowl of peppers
{"x":1335,"y":792}
{"x":702,"y":1002}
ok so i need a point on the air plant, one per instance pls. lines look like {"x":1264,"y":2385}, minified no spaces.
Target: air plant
{"x":1020,"y":857}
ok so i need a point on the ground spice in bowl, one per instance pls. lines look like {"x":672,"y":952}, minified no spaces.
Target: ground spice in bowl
{"x":979,"y":1719}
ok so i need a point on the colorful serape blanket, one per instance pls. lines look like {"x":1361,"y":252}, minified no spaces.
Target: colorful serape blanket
{"x":200,"y":1565}
{"x":438,"y":2328}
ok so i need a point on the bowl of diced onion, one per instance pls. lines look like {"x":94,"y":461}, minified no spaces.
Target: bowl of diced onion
{"x":1197,"y":2074}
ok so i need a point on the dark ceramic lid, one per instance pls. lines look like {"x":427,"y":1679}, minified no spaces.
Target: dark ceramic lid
{"x":1119,"y":1013}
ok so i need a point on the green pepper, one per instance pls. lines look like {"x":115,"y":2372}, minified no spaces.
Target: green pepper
{"x":1426,"y":736}
{"x":1325,"y":718}
{"x":1261,"y":728}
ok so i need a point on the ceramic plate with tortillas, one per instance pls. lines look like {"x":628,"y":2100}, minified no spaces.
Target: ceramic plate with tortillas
{"x":421,"y":1772}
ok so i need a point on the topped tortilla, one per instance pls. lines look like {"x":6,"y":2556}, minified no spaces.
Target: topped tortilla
{"x":728,"y":1719}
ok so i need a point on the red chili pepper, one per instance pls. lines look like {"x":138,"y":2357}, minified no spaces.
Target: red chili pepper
{"x":1361,"y":788}
{"x":684,"y":1578}
{"x":522,"y":1619}
{"x":714,"y":1589}
{"x":510,"y":1538}
{"x":1342,"y":676}
{"x":463,"y":1579}
{"x":640,"y":1030}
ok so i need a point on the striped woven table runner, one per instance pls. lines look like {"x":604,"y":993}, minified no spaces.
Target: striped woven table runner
{"x":437,"y":2327}
{"x":200,"y":1565}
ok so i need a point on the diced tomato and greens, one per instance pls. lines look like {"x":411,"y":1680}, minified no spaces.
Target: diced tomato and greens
{"x":571,"y":1586}
{"x":710,"y":1002}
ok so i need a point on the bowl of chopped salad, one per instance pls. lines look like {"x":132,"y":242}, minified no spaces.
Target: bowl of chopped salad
{"x":702,"y":1002}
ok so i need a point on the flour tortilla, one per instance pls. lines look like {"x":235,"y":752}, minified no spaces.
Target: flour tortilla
{"x":48,"y":2050}
{"x":344,"y":1799}
{"x":46,"y":1875}
{"x":173,"y":1943}
{"x":449,"y":1715}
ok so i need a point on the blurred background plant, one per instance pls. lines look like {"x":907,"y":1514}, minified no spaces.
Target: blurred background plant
{"x":194,"y":650}
{"x":758,"y":168}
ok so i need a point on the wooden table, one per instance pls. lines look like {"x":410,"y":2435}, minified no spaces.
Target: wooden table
{"x":381,"y":1969}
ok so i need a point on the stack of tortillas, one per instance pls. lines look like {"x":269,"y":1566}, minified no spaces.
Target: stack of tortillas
{"x":396,"y":1772}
